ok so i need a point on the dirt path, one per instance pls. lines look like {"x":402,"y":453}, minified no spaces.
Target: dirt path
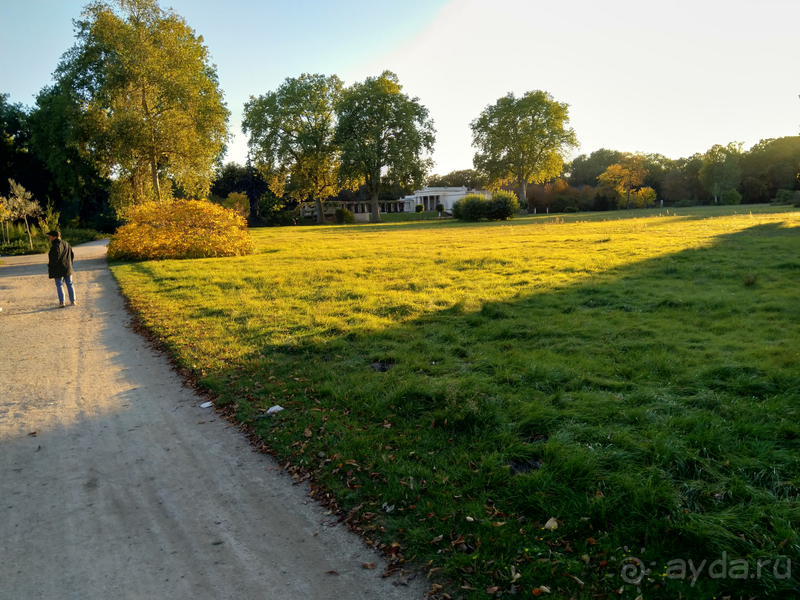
{"x":129,"y":489}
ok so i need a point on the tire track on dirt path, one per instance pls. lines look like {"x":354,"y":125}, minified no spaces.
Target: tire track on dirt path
{"x":129,"y":489}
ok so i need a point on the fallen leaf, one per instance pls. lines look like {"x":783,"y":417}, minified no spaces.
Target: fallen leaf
{"x":368,"y":565}
{"x":436,"y":540}
{"x":499,"y":524}
{"x":331,"y":573}
{"x":544,"y":589}
{"x":492,"y":589}
{"x":590,"y":541}
{"x":34,"y":433}
{"x":551,"y":524}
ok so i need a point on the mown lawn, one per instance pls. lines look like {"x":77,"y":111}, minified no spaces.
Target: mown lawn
{"x":458,"y":389}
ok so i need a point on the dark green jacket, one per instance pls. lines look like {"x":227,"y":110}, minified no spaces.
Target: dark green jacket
{"x":61,"y":257}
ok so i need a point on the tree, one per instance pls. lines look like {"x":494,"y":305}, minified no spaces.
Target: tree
{"x":525,"y":140}
{"x":629,"y":173}
{"x":291,"y":137}
{"x":720,"y":170}
{"x":150,"y":107}
{"x":468,"y":178}
{"x":584,"y":170}
{"x":383,"y":135}
{"x":20,"y":205}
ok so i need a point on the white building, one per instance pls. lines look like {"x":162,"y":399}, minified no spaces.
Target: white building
{"x":429,"y":197}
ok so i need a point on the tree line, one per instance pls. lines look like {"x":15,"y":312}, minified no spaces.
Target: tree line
{"x":136,"y":114}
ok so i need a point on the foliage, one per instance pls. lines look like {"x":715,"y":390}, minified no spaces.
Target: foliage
{"x":730,"y":197}
{"x":782,"y":196}
{"x":502,"y":206}
{"x":644,"y":197}
{"x":273,"y":210}
{"x":145,"y":103}
{"x":291,"y":137}
{"x":584,"y":170}
{"x":440,"y":207}
{"x":419,"y":208}
{"x":468,"y":178}
{"x":720,"y":170}
{"x":345,"y":216}
{"x":544,"y":361}
{"x":770,"y":165}
{"x":472,"y":207}
{"x":571,"y":209}
{"x":384,"y":136}
{"x":236,"y":201}
{"x":524,"y":140}
{"x":49,"y":219}
{"x":180,"y":229}
{"x":20,"y":205}
{"x":629,"y":173}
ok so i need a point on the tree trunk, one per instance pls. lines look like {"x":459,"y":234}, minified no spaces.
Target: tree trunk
{"x":628,"y":202}
{"x":320,"y":216}
{"x":30,"y":241}
{"x":523,"y":191}
{"x":154,"y":173}
{"x":376,"y":213}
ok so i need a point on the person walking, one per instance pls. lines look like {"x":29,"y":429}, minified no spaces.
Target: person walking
{"x":59,"y":266}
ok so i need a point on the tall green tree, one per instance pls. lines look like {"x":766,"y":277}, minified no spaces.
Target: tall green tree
{"x":384,"y":137}
{"x":150,"y":105}
{"x":524,"y":140}
{"x":468,"y":178}
{"x":584,"y":170}
{"x":720,"y":170}
{"x":291,"y":138}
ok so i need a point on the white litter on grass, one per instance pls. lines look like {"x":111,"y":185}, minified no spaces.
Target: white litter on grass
{"x":274,"y":409}
{"x":206,"y":405}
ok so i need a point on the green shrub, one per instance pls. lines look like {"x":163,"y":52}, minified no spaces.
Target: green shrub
{"x":419,"y":208}
{"x":503,"y":205}
{"x":571,"y":209}
{"x":685,"y":203}
{"x":345,"y":216}
{"x":731,"y":197}
{"x":784,"y":196}
{"x":561,"y":203}
{"x":440,"y":207}
{"x":472,"y":207}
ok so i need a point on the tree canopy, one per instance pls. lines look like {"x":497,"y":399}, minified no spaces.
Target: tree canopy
{"x":720,"y":170}
{"x":524,"y":140}
{"x":291,"y":137}
{"x":625,"y":175}
{"x":384,"y":137}
{"x":149,"y":107}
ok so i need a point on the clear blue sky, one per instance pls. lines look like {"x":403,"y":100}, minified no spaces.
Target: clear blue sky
{"x":673,"y":78}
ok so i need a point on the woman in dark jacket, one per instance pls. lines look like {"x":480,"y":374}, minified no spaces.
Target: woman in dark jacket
{"x":60,"y":266}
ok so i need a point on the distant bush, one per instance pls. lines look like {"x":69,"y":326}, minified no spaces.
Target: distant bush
{"x":685,"y":203}
{"x":180,"y":229}
{"x":472,"y":207}
{"x":571,"y":209}
{"x":345,"y":216}
{"x":784,"y":197}
{"x":419,"y":208}
{"x":730,"y":197}
{"x":561,"y":203}
{"x":440,"y":207}
{"x":502,"y":206}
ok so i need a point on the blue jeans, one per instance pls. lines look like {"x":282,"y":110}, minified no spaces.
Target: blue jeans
{"x":70,"y":289}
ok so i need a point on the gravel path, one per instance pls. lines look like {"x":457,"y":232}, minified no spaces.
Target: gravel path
{"x":115,"y":484}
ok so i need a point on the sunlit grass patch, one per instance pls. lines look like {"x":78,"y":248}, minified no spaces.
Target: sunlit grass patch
{"x":612,"y":373}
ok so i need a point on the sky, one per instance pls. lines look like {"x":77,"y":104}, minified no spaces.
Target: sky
{"x":672,"y":77}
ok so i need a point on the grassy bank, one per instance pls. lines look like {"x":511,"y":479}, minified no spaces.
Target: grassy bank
{"x":460,"y":389}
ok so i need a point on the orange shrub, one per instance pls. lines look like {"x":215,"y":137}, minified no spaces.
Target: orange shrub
{"x":180,"y":229}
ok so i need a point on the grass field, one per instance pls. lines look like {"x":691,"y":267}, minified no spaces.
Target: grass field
{"x":459,"y":389}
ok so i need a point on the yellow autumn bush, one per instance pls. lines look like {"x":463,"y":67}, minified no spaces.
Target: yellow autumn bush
{"x":180,"y":229}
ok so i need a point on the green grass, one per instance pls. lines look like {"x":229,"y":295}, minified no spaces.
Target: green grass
{"x":634,"y":376}
{"x":409,"y":216}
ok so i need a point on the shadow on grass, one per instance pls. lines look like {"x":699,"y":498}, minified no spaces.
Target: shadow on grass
{"x":653,"y":408}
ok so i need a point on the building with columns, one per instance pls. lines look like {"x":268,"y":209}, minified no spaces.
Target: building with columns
{"x":429,"y":197}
